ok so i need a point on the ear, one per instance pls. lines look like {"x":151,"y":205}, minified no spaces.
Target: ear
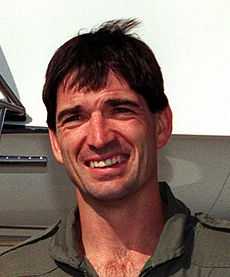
{"x":55,"y":146}
{"x":163,"y":127}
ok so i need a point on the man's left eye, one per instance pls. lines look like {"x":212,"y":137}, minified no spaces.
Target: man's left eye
{"x":122,"y":110}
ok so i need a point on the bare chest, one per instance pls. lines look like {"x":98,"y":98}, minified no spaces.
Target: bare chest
{"x":119,"y":268}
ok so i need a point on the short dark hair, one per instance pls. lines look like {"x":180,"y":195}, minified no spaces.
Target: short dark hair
{"x":92,"y":55}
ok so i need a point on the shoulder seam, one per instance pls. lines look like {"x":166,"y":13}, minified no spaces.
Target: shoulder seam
{"x":212,"y":222}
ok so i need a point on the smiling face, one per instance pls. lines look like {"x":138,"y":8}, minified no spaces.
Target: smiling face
{"x":107,"y":139}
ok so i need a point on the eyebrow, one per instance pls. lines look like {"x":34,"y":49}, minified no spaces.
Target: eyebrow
{"x":119,"y":102}
{"x":68,"y":111}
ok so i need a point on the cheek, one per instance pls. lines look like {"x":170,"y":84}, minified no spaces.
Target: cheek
{"x":142,"y":133}
{"x":135,"y":129}
{"x":145,"y":142}
{"x":70,"y":143}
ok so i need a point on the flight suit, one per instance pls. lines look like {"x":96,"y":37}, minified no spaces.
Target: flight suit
{"x":189,"y":246}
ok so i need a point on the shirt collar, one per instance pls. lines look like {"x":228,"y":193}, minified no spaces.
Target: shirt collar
{"x":66,"y":244}
{"x":172,"y":239}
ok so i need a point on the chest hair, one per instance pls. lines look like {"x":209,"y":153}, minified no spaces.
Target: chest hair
{"x":119,"y":267}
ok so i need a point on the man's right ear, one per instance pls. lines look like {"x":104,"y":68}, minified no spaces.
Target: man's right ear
{"x":55,"y":146}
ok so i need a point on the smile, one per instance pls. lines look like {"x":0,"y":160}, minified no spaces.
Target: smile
{"x":107,"y":162}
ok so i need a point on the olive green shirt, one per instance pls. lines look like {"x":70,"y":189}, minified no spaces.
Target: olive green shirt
{"x":189,"y":246}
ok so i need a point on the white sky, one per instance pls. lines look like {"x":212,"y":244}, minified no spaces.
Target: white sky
{"x":191,"y":40}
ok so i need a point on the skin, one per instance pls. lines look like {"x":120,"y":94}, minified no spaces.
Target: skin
{"x":94,"y":126}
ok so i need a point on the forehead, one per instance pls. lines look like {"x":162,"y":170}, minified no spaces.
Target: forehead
{"x":116,"y":87}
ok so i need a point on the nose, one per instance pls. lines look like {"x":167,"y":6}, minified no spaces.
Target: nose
{"x":99,"y":133}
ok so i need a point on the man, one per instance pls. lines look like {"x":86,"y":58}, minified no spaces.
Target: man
{"x":107,"y":117}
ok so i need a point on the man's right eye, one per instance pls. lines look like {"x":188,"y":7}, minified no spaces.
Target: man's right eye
{"x":73,"y":118}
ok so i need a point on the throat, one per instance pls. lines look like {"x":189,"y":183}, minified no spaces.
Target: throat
{"x":122,"y":264}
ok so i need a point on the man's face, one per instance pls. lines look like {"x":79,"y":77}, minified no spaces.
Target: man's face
{"x":106,"y":139}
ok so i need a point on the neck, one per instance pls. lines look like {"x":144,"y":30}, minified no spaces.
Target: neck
{"x":129,"y":226}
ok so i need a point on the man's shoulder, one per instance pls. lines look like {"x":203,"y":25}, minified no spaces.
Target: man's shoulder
{"x":29,"y":257}
{"x":211,"y":242}
{"x":211,"y":228}
{"x":212,"y":222}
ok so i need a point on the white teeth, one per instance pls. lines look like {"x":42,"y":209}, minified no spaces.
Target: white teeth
{"x":105,"y":163}
{"x":101,"y":164}
{"x":91,"y":164}
{"x":108,"y":162}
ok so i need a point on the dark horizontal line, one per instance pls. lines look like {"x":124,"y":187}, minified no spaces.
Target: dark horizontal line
{"x":23,"y":129}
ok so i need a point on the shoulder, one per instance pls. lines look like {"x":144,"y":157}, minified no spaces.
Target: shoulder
{"x":23,"y":258}
{"x":211,"y":242}
{"x":213,"y":222}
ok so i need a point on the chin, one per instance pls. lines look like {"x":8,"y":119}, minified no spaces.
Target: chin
{"x":111,"y":193}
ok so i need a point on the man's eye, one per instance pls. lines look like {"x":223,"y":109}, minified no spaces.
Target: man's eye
{"x":122,"y":110}
{"x":72,"y":118}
